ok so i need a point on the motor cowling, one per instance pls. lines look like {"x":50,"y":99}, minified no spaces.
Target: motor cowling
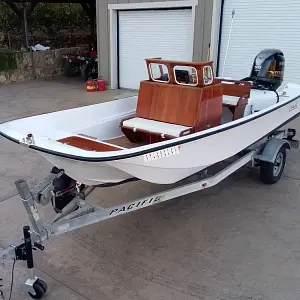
{"x":64,"y":190}
{"x":268,"y":69}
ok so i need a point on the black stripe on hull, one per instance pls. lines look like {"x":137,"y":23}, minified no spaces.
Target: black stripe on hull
{"x":172,"y":144}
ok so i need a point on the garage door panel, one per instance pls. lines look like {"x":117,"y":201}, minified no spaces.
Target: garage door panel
{"x":258,"y":25}
{"x":151,"y":33}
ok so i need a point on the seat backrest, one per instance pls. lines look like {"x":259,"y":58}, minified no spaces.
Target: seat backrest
{"x":169,"y":103}
{"x":237,"y":88}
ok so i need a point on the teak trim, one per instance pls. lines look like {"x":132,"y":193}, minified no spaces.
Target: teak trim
{"x":88,"y":144}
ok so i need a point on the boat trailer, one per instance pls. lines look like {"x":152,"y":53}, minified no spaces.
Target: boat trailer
{"x":269,"y":154}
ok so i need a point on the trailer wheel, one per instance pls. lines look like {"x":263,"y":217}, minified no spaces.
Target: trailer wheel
{"x":270,"y":173}
{"x":42,"y":284}
{"x":39,"y":291}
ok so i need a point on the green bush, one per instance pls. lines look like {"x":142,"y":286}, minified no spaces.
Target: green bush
{"x":8,"y":60}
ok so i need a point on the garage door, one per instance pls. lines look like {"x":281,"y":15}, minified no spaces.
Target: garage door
{"x":257,"y":25}
{"x":151,"y":33}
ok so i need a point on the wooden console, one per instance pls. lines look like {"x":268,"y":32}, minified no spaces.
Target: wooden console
{"x":194,"y":104}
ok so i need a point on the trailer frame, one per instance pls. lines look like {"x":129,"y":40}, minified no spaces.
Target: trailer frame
{"x":79,"y":213}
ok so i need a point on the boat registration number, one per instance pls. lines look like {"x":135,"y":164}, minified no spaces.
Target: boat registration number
{"x":162,"y":153}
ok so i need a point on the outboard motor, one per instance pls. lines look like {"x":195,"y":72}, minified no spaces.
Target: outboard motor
{"x":267,"y":70}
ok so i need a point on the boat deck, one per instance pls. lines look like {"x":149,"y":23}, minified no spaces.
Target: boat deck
{"x":123,"y":142}
{"x":115,"y":144}
{"x":90,"y":143}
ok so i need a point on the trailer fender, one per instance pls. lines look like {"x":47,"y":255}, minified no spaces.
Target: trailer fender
{"x":270,"y":150}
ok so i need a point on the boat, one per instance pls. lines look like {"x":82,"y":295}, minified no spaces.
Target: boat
{"x":183,"y":120}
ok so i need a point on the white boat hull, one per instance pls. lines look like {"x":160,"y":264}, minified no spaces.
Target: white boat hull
{"x":162,"y":163}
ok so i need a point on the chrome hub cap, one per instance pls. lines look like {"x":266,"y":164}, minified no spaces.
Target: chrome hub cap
{"x":278,"y":164}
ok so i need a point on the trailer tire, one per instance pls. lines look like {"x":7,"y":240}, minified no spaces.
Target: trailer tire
{"x":39,"y":291}
{"x":43,"y":285}
{"x":270,"y":173}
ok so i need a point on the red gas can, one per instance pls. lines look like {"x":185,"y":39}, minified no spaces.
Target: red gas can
{"x":101,"y":84}
{"x":91,"y":86}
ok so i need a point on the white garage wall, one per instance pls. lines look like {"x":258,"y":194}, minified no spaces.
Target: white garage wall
{"x":257,"y":25}
{"x":152,"y":33}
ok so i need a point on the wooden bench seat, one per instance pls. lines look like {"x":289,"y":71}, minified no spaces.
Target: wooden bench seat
{"x":236,"y":105}
{"x":164,"y":129}
{"x":167,"y":111}
{"x":235,"y":96}
{"x":231,"y":100}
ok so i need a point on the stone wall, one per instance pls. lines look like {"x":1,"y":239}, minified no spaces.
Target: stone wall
{"x":39,"y":64}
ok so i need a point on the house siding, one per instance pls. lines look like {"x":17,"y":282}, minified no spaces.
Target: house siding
{"x":202,"y":34}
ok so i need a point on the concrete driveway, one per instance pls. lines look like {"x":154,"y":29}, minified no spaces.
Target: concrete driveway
{"x":236,"y":241}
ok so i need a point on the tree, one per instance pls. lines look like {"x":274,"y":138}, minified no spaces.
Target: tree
{"x":53,"y":18}
{"x":9,"y":21}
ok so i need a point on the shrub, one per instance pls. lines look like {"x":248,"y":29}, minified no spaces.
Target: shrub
{"x":8,"y":60}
